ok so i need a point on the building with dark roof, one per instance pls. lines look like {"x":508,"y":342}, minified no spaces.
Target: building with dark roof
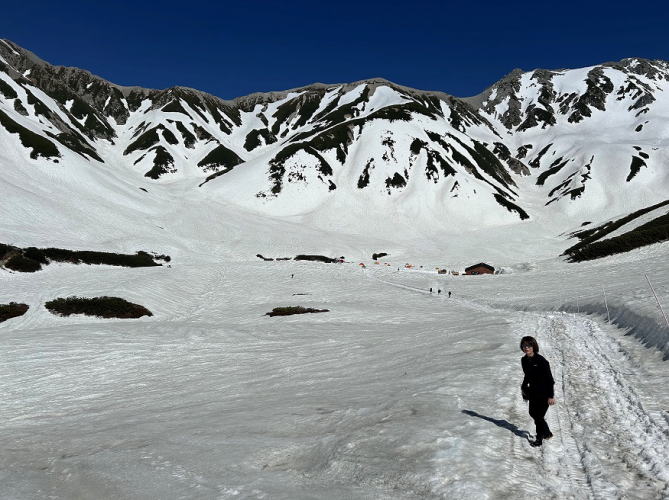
{"x":480,"y":268}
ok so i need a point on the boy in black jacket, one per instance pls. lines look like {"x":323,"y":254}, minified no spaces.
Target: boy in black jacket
{"x":537,"y":387}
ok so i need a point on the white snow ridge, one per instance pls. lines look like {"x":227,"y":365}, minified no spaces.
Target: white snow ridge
{"x":394,"y":392}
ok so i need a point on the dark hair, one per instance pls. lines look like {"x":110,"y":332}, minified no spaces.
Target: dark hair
{"x":531,"y":341}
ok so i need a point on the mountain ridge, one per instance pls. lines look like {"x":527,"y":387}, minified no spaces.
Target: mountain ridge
{"x":564,"y":145}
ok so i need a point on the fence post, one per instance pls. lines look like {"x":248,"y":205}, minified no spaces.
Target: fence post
{"x":658,"y":300}
{"x":608,"y":314}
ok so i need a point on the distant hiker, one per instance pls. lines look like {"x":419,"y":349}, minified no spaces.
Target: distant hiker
{"x":439,"y":291}
{"x":449,"y":294}
{"x":430,"y":289}
{"x":537,"y":387}
{"x":291,"y":276}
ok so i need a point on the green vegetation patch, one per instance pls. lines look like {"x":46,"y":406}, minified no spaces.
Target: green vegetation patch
{"x":396,"y":181}
{"x":277,"y":168}
{"x":488,"y":162}
{"x":163,"y":163}
{"x":434,"y":158}
{"x":555,"y":167}
{"x":338,"y":137}
{"x":288,"y":310}
{"x":220,"y":157}
{"x":253,"y":138}
{"x":316,"y":258}
{"x":41,"y":146}
{"x":76,"y":143}
{"x":22,"y":264}
{"x":590,"y":236}
{"x":101,"y":307}
{"x":363,"y":180}
{"x":31,"y":259}
{"x":636,"y":165}
{"x":537,"y":161}
{"x":12,"y":310}
{"x":655,"y":231}
{"x":140,"y":259}
{"x":417,"y":145}
{"x":145,"y":141}
{"x":5,"y":250}
{"x":511,"y":207}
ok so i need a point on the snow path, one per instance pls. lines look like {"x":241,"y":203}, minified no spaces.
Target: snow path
{"x":606,"y":444}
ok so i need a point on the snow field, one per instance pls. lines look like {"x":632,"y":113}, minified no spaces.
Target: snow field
{"x":394,"y":393}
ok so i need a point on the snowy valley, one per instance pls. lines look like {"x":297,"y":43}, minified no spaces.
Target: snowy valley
{"x":395,"y":392}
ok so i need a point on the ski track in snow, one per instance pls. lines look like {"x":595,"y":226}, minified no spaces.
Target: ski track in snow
{"x":606,"y":444}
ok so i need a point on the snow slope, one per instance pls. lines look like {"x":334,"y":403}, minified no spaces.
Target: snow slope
{"x":394,"y":393}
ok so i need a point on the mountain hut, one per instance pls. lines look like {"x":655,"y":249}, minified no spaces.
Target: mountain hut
{"x":480,"y":268}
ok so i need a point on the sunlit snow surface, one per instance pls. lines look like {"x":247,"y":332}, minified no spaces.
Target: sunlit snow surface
{"x":393,"y":393}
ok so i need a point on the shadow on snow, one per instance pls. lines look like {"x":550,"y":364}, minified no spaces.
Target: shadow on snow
{"x":500,"y":423}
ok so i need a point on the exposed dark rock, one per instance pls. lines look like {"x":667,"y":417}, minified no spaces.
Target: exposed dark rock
{"x":40,"y":146}
{"x":598,"y":87}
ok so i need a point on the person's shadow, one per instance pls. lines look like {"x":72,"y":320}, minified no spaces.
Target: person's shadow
{"x":500,"y":423}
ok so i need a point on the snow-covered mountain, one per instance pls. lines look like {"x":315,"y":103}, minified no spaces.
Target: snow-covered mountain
{"x":408,"y":386}
{"x":571,"y":146}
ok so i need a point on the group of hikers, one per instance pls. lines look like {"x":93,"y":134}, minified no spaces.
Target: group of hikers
{"x":439,"y":292}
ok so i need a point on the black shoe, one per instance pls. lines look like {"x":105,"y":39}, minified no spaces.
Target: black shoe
{"x":536,"y":443}
{"x":548,"y":435}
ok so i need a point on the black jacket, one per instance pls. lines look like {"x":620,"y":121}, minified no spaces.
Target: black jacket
{"x":538,"y":382}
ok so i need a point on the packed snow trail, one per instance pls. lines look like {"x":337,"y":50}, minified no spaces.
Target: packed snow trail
{"x":607,"y":444}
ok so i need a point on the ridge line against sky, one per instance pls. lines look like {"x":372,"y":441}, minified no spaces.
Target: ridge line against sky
{"x":233,"y":49}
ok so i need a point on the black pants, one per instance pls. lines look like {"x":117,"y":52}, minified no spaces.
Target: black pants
{"x":538,"y":409}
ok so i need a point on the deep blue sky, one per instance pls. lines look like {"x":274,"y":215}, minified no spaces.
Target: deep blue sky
{"x":236,"y":48}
